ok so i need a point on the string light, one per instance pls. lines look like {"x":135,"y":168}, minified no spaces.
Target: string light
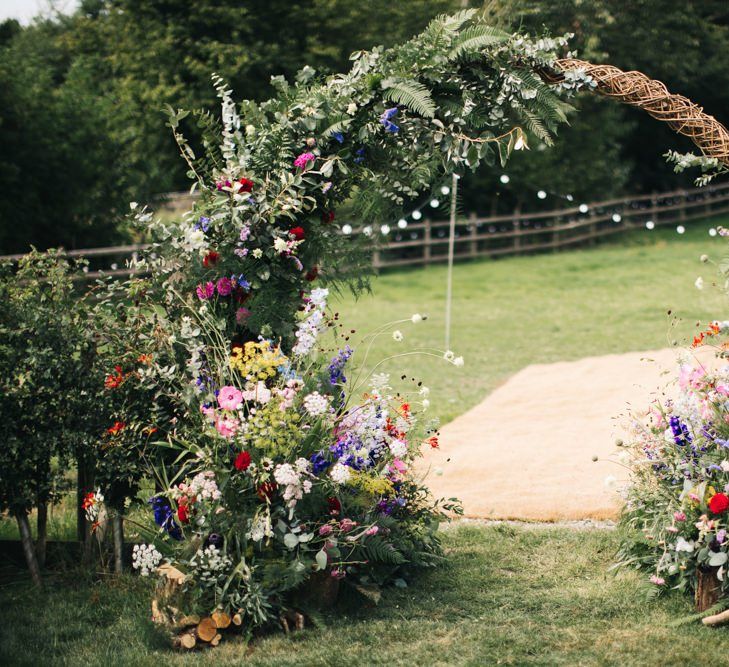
{"x":504,"y":178}
{"x":346,"y":229}
{"x":417,"y":215}
{"x":385,"y":229}
{"x":445,"y":190}
{"x":402,"y":223}
{"x":583,"y":208}
{"x":434,"y":203}
{"x":680,"y":229}
{"x":542,"y":194}
{"x":650,"y":224}
{"x":367,"y":231}
{"x":712,"y":232}
{"x":569,"y":198}
{"x":617,"y":217}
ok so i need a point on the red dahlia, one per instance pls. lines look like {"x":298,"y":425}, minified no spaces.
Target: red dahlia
{"x":718,"y":503}
{"x":297,"y":233}
{"x":242,"y":461}
{"x":246,"y":185}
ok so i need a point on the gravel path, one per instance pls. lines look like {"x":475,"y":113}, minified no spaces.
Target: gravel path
{"x":526,"y":452}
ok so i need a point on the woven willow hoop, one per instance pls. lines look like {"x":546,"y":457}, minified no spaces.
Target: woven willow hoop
{"x":636,"y":89}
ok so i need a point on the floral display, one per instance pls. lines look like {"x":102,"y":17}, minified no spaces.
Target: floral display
{"x":292,"y":464}
{"x":676,"y":521}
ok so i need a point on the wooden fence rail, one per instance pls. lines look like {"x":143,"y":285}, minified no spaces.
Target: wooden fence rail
{"x":425,"y":242}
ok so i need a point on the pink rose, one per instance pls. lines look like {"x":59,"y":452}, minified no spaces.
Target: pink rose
{"x":325,"y":530}
{"x":225,"y":286}
{"x":230,"y":398}
{"x":345,"y":525}
{"x":227,"y":426}
{"x":372,"y":531}
{"x":205,"y":291}
{"x":679,"y":516}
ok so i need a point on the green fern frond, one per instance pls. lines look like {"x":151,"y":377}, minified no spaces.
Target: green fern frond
{"x":475,"y":38}
{"x":412,"y":94}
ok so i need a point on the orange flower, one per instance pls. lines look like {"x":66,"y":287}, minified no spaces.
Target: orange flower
{"x":145,"y":359}
{"x":116,"y":428}
{"x":433,"y":441}
{"x":113,"y":380}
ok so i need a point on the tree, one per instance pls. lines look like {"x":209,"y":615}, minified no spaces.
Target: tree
{"x":45,"y":357}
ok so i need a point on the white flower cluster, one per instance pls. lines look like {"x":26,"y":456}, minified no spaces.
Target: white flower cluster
{"x":340,"y":473}
{"x":261,"y":528}
{"x":398,"y":448}
{"x":203,"y":486}
{"x":309,"y":329}
{"x":145,"y":558}
{"x":290,"y":477}
{"x":193,"y":239}
{"x":257,"y":393}
{"x":316,"y":404}
{"x":209,"y":564}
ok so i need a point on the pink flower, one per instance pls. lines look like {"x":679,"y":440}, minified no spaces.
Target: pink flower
{"x":338,"y":574}
{"x":230,"y":398}
{"x":227,"y":426}
{"x":372,"y":531}
{"x":241,"y":315}
{"x":225,"y":287}
{"x":679,"y":516}
{"x":345,"y":525}
{"x":208,"y":412}
{"x":671,"y":529}
{"x":205,"y":291}
{"x":658,"y":581}
{"x":304,"y":159}
{"x":325,"y":530}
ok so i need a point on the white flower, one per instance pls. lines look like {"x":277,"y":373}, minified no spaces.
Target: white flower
{"x":351,"y":108}
{"x":699,"y":284}
{"x":458,"y":361}
{"x":424,"y":391}
{"x":316,"y":404}
{"x":610,"y":481}
{"x":520,"y":144}
{"x":281,"y":245}
{"x":684,"y":545}
{"x":145,"y":558}
{"x":398,"y":448}
{"x":340,"y":473}
{"x":416,"y":318}
{"x":397,"y":336}
{"x":448,"y":355}
{"x":725,"y":465}
{"x":426,"y":404}
{"x":257,"y":253}
{"x":194,"y":239}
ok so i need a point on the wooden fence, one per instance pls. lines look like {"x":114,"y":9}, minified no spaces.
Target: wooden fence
{"x":424,"y":243}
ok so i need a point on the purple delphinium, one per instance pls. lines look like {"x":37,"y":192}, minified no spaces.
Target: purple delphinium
{"x":163,"y":517}
{"x":336,"y":367}
{"x":680,"y":431}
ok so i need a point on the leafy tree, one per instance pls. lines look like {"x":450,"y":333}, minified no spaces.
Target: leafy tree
{"x":45,"y":357}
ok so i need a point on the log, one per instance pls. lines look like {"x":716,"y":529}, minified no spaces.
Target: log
{"x":186,"y":641}
{"x":708,"y":588}
{"x":717,"y":619}
{"x":187,"y":621}
{"x":206,"y":630}
{"x":216,"y":640}
{"x":237,"y":619}
{"x":221,"y":619}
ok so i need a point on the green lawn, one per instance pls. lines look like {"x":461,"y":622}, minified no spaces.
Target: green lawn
{"x":517,"y":311}
{"x":507,"y":595}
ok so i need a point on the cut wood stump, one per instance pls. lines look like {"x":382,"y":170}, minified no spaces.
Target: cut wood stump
{"x":221,"y":619}
{"x":708,"y":588}
{"x":206,"y":630}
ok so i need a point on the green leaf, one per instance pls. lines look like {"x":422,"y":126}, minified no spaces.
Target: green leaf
{"x":321,"y":559}
{"x":412,"y":94}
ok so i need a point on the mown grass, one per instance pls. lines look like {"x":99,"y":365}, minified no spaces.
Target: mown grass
{"x":517,"y":311}
{"x":506,"y":595}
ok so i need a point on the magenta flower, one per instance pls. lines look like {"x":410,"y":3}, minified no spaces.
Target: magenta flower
{"x":304,"y":159}
{"x":206,"y":291}
{"x":225,"y":286}
{"x":372,"y":531}
{"x":325,"y":530}
{"x":242,"y":315}
{"x":230,"y":398}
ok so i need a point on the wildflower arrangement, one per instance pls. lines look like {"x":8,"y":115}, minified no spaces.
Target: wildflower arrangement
{"x":301,"y":470}
{"x":289,"y":465}
{"x":677,"y":504}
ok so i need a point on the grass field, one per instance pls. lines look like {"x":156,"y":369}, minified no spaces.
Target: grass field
{"x":507,"y":595}
{"x":517,"y":311}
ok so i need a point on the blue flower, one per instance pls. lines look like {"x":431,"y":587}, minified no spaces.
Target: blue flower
{"x":203,"y":223}
{"x":163,"y":517}
{"x":319,"y":463}
{"x":338,"y":136}
{"x":386,"y":122}
{"x":360,"y":156}
{"x":242,"y":282}
{"x":336,"y":367}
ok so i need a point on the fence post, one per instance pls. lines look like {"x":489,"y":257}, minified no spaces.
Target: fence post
{"x":517,"y":228}
{"x":682,"y":206}
{"x":473,"y":245}
{"x":426,"y":241}
{"x":654,"y":208}
{"x":593,"y":226}
{"x":376,"y":263}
